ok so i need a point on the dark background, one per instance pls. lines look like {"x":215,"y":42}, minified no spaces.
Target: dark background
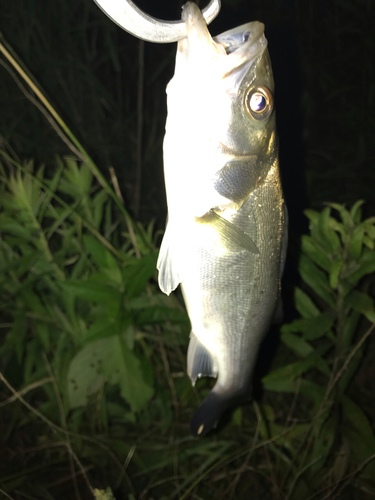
{"x":323,"y":59}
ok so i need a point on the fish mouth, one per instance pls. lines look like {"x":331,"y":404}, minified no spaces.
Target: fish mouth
{"x":233,"y":51}
{"x":242,"y":45}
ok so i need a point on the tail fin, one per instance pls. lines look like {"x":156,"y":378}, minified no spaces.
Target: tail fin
{"x":210,"y":411}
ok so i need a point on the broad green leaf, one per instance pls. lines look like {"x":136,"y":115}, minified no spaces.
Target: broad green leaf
{"x":98,"y":203}
{"x":316,"y":279}
{"x":103,"y":327}
{"x":296,"y":344}
{"x":281,"y":378}
{"x":101,"y":254}
{"x":10,"y":226}
{"x":356,"y":242}
{"x":356,"y":211}
{"x":369,"y":242}
{"x":366,"y":266}
{"x":304,"y":304}
{"x":316,"y":253}
{"x":318,"y":326}
{"x":296,"y":326}
{"x":362,"y":303}
{"x":334,"y":273}
{"x":369,"y":228}
{"x":301,"y":386}
{"x":92,"y":289}
{"x":137,"y":275}
{"x":313,"y":215}
{"x":339,"y":228}
{"x":107,"y":360}
{"x":345,"y":215}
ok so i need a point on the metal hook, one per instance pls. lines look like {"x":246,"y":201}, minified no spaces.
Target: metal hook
{"x":127,"y":15}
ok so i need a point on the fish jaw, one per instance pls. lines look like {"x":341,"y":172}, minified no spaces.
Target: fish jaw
{"x":201,"y":97}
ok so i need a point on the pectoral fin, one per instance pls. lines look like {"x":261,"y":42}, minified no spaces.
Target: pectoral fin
{"x":200,"y":362}
{"x":169,"y":277}
{"x":230,"y":235}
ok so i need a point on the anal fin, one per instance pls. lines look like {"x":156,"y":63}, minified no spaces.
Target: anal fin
{"x":200,"y":362}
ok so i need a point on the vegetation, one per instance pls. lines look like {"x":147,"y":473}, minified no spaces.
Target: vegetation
{"x":94,"y":397}
{"x":93,"y":359}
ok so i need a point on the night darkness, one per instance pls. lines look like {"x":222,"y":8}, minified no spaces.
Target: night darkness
{"x":323,"y":60}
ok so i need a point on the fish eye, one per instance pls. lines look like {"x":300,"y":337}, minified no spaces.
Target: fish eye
{"x":259,"y":102}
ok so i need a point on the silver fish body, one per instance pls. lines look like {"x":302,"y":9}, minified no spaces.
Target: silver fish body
{"x":225,"y":240}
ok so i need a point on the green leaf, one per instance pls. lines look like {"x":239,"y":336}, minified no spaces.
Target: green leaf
{"x":107,"y":360}
{"x":296,"y":326}
{"x":316,"y":279}
{"x":362,"y":303}
{"x":91,"y":289}
{"x":313,"y":215}
{"x":316,"y":253}
{"x":296,"y":344}
{"x":366,"y":266}
{"x":282,"y":377}
{"x":309,"y":389}
{"x":334,"y":273}
{"x":318,"y":326}
{"x":137,"y":275}
{"x":345,"y":216}
{"x":369,"y":242}
{"x":100,"y":254}
{"x":356,"y":242}
{"x":10,"y":226}
{"x":304,"y":304}
{"x":356,"y":212}
{"x":98,"y":202}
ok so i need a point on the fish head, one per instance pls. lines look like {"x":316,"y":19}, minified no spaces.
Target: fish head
{"x":248,"y":80}
{"x":221,"y":120}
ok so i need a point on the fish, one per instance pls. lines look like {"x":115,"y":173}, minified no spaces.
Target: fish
{"x":226,"y":234}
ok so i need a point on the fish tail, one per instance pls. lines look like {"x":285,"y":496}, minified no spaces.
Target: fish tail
{"x":210,"y":411}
